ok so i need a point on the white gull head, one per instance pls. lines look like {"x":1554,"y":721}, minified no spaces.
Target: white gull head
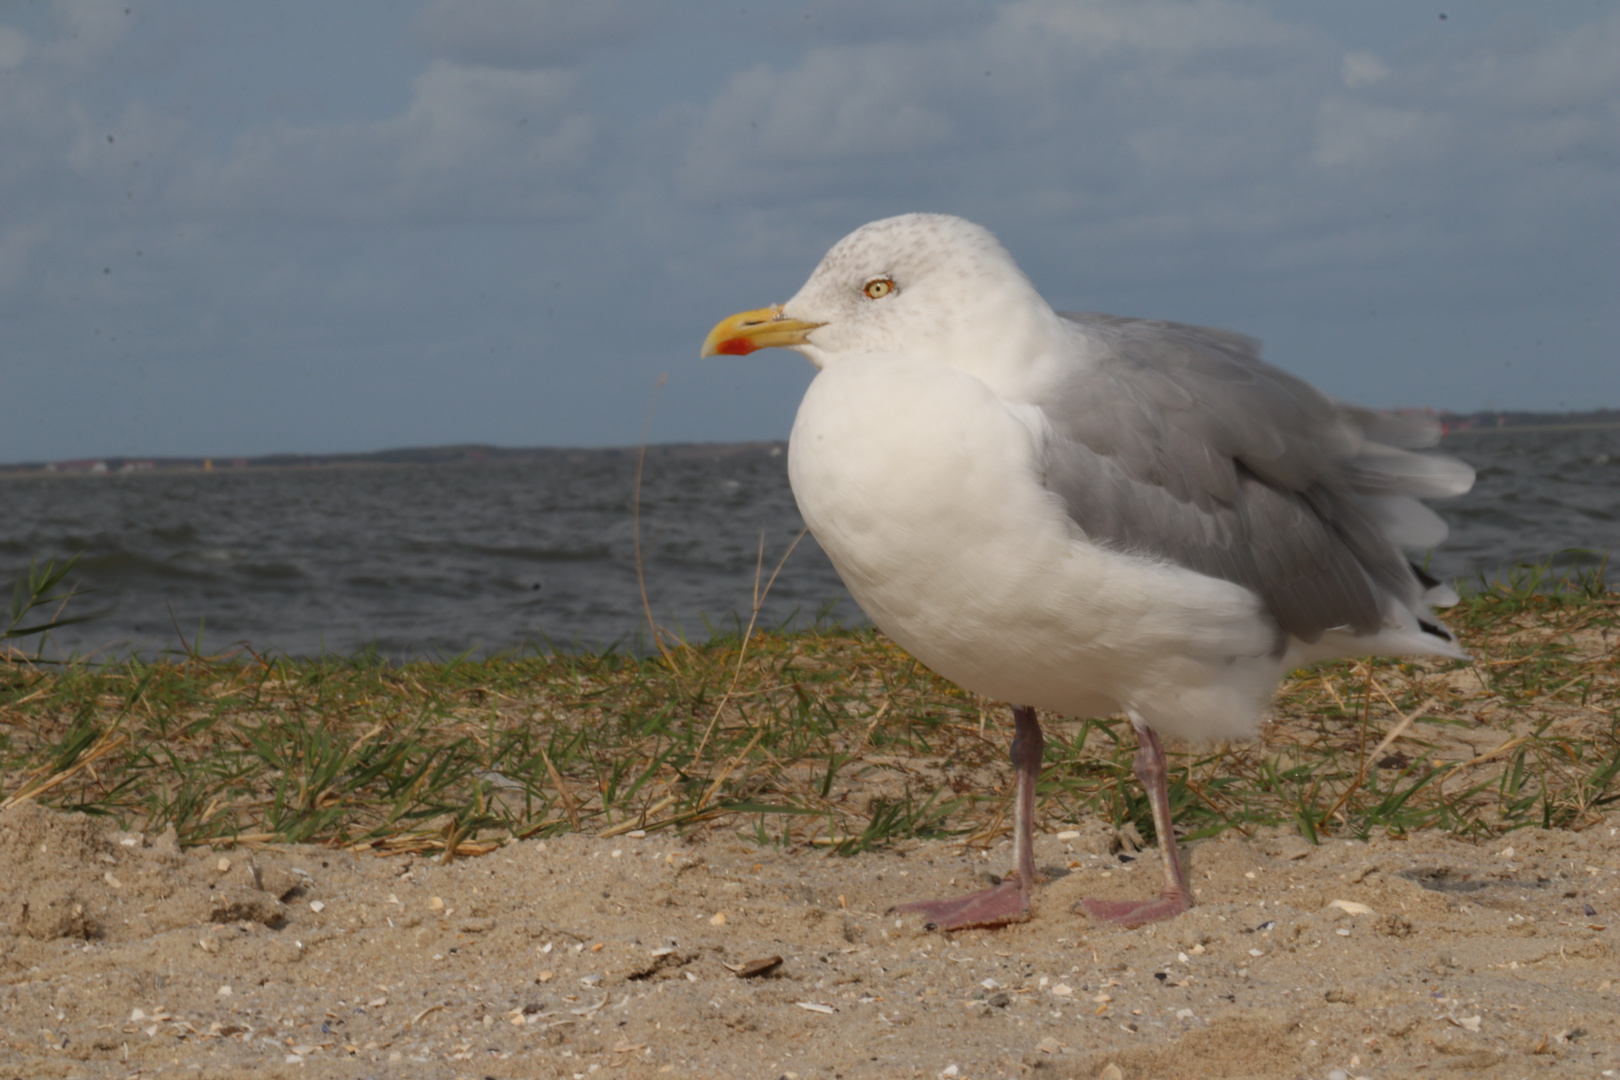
{"x":920,"y":285}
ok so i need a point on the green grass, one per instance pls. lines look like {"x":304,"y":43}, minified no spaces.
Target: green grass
{"x":835,"y":739}
{"x":39,"y":601}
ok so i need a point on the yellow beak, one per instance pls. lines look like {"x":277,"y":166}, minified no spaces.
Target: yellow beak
{"x":763,"y":328}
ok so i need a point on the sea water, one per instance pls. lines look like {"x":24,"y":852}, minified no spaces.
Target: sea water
{"x":435,"y":560}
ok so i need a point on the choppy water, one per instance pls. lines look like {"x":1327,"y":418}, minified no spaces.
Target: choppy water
{"x":434,"y":559}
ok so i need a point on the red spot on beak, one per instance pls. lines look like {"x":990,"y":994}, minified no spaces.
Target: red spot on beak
{"x":737,"y":346}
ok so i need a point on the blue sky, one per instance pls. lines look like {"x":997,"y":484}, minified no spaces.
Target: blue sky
{"x":251,"y":228}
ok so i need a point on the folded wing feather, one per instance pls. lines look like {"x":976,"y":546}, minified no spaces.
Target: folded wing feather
{"x":1178,"y":442}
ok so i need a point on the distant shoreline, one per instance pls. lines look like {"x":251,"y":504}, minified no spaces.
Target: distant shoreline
{"x":1477,"y":423}
{"x":459,"y":454}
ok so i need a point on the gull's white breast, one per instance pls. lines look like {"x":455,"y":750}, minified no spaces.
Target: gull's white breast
{"x":924,"y":488}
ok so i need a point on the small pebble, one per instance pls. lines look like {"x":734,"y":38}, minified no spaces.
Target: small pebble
{"x":950,"y":1070}
{"x":1338,"y":1074}
{"x":224,"y":865}
{"x":1062,"y":990}
{"x":223,"y":991}
{"x":1111,"y":1072}
{"x":1350,"y":907}
{"x":637,"y":834}
{"x":1342,"y":932}
{"x":719,"y":919}
{"x":317,"y":906}
{"x":1257,"y":952}
{"x":436,"y":904}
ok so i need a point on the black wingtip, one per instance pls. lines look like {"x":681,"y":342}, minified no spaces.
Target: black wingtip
{"x":1437,"y":630}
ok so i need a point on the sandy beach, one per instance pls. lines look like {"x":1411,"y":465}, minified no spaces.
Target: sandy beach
{"x":635,"y":956}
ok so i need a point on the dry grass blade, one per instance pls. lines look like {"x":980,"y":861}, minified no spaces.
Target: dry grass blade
{"x":1400,"y":728}
{"x":40,"y":784}
{"x":748,"y":634}
{"x":562,"y":790}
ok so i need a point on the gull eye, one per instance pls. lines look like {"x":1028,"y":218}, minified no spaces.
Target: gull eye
{"x":878,"y":288}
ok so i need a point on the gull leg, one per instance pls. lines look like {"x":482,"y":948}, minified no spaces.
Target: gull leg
{"x":1009,"y":901}
{"x":1174,"y":897}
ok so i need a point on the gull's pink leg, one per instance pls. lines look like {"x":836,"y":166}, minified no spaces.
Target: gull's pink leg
{"x":1009,"y":901}
{"x":1174,"y":898}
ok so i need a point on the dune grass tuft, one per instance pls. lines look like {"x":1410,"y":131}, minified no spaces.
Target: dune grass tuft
{"x":830,"y":738}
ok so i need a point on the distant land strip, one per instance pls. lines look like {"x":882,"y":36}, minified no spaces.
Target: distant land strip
{"x":458,"y":454}
{"x":1476,"y":423}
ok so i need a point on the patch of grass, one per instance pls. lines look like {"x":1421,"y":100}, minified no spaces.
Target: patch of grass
{"x":832,"y":738}
{"x":39,"y":600}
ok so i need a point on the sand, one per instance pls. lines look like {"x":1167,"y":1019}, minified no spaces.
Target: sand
{"x":580,"y":956}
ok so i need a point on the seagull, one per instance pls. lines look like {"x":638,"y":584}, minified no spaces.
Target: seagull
{"x":1091,"y":514}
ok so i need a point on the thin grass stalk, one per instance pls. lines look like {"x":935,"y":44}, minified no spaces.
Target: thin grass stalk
{"x":748,"y":635}
{"x":635,"y":529}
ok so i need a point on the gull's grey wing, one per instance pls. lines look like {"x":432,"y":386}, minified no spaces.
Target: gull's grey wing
{"x":1178,"y":442}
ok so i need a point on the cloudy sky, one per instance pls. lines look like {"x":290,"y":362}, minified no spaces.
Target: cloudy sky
{"x":248,"y":228}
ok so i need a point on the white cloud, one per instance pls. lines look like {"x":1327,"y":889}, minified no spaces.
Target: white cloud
{"x":862,"y":22}
{"x":475,"y":144}
{"x":88,"y":29}
{"x":1361,"y":68}
{"x":1162,"y":34}
{"x":778,"y":136}
{"x":14,"y":48}
{"x":532,"y":33}
{"x":1360,"y":135}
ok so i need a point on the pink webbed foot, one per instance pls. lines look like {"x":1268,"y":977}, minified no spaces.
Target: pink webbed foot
{"x":1129,"y":913}
{"x":1006,"y":903}
{"x":1172,"y":899}
{"x":1009,"y":901}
